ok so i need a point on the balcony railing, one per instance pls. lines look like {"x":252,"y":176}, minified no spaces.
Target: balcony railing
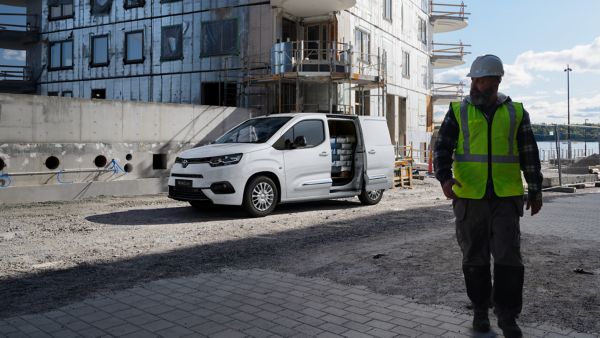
{"x":15,"y":73}
{"x":447,"y":17}
{"x":444,"y":93}
{"x":317,"y":56}
{"x":444,"y":55}
{"x":448,"y":11}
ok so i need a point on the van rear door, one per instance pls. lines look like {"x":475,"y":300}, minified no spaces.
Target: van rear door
{"x":379,"y":153}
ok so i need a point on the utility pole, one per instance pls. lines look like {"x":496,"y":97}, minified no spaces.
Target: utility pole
{"x":568,"y":70}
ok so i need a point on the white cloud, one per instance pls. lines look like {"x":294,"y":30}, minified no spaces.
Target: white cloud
{"x":516,"y":75}
{"x":542,"y":110}
{"x":581,"y":58}
{"x":17,"y":55}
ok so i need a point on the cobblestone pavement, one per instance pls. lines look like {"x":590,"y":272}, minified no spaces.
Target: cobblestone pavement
{"x":251,"y":303}
{"x":575,"y":217}
{"x":264,"y":303}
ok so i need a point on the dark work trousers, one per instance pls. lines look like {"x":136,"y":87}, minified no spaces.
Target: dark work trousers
{"x":490,"y":228}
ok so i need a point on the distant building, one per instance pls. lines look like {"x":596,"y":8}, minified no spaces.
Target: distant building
{"x":371,"y":57}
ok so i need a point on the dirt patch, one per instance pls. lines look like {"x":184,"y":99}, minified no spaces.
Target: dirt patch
{"x":52,"y":254}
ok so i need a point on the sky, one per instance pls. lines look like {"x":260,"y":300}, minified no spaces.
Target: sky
{"x":535,"y":39}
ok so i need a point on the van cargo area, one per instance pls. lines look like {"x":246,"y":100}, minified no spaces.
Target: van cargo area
{"x":343,"y":142}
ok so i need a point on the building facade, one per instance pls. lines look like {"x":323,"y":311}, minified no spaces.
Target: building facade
{"x":370,"y":57}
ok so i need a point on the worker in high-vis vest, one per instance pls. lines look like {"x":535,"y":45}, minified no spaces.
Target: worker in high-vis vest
{"x":483,"y":145}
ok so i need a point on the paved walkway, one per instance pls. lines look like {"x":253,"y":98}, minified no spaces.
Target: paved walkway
{"x":250,"y":303}
{"x":574,"y":217}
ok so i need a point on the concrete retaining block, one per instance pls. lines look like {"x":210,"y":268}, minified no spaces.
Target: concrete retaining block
{"x":569,"y":179}
{"x":76,"y":191}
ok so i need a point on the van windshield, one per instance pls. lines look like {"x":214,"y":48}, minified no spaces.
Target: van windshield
{"x":254,"y":130}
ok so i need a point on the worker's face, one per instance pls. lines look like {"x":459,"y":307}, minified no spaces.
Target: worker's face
{"x":484,"y":90}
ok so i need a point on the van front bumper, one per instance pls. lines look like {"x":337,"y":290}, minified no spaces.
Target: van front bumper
{"x":220,"y":185}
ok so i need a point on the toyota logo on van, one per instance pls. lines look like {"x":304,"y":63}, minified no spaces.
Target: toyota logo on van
{"x":184,"y":163}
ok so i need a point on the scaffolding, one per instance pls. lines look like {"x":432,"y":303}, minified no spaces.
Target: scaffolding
{"x":278,"y":82}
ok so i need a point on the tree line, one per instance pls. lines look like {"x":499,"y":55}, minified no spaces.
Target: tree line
{"x":545,"y":132}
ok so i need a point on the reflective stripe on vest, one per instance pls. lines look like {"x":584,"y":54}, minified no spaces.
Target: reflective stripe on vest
{"x":471,"y":156}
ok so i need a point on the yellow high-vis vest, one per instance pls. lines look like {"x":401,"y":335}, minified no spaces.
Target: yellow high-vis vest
{"x":471,"y":155}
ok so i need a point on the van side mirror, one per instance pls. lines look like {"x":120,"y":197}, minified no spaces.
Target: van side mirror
{"x":300,"y":141}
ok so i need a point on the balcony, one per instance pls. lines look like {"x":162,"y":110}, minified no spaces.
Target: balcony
{"x":444,"y":93}
{"x":447,"y":17}
{"x":446,"y":55}
{"x":16,"y":80}
{"x":308,"y":8}
{"x":18,"y":31}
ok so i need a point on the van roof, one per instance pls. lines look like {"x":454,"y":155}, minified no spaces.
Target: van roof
{"x":304,"y":114}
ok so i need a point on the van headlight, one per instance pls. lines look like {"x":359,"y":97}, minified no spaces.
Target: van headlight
{"x":219,"y":161}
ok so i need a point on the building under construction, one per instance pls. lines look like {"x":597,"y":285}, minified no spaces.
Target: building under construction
{"x":371,"y":57}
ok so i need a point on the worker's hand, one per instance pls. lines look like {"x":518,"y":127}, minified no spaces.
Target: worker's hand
{"x":535,"y":204}
{"x":447,"y":188}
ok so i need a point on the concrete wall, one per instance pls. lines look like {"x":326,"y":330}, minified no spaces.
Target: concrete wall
{"x":77,"y":132}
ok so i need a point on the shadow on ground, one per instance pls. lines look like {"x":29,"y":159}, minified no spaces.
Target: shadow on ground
{"x":188,"y":214}
{"x":37,"y":292}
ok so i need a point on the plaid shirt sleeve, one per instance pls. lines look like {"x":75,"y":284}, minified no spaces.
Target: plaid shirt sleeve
{"x":529,"y":157}
{"x":445,"y":144}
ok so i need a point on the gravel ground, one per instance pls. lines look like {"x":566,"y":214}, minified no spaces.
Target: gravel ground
{"x":52,"y":254}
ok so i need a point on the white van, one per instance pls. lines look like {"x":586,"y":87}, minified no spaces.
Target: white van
{"x":286,"y":158}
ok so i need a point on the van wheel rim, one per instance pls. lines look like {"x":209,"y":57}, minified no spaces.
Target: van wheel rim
{"x":374,"y":194}
{"x":263,"y":196}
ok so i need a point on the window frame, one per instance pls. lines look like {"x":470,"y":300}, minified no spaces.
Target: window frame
{"x":61,"y":67}
{"x":53,"y":93}
{"x":93,"y":62}
{"x":204,"y":53}
{"x":362,"y":53}
{"x":97,"y":89}
{"x":405,"y":64}
{"x":387,"y":9}
{"x":422,"y":30}
{"x":169,"y":1}
{"x":140,"y":3}
{"x":175,"y":57}
{"x":66,"y":91}
{"x":133,"y":61}
{"x":281,"y":144}
{"x":62,"y":16}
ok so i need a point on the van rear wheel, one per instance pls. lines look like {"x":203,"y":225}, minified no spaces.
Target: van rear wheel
{"x":260,"y":197}
{"x":370,"y":197}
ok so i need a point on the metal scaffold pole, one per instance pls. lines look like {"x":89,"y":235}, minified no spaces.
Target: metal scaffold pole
{"x":557,"y":140}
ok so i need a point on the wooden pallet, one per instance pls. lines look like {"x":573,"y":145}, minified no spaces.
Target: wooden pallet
{"x":403,"y":174}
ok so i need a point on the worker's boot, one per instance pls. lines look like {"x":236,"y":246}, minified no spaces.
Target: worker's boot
{"x":508,"y":298}
{"x":481,"y":322}
{"x":509,"y":327}
{"x":478,"y":281}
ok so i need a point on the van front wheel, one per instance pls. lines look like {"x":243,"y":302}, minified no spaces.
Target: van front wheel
{"x":370,"y":197}
{"x":260,"y":196}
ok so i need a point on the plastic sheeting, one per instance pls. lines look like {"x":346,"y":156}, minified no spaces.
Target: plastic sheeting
{"x":171,"y":43}
{"x":101,"y":6}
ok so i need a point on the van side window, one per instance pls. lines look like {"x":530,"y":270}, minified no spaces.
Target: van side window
{"x":313,"y":132}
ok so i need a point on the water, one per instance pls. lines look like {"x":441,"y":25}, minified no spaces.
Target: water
{"x":578,"y":149}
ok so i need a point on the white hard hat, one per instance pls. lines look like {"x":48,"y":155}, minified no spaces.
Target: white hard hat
{"x":486,"y":65}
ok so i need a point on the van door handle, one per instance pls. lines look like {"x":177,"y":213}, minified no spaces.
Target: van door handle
{"x":323,"y":154}
{"x":372,"y":151}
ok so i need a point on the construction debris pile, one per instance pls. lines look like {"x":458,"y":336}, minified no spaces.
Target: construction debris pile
{"x":585,"y":165}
